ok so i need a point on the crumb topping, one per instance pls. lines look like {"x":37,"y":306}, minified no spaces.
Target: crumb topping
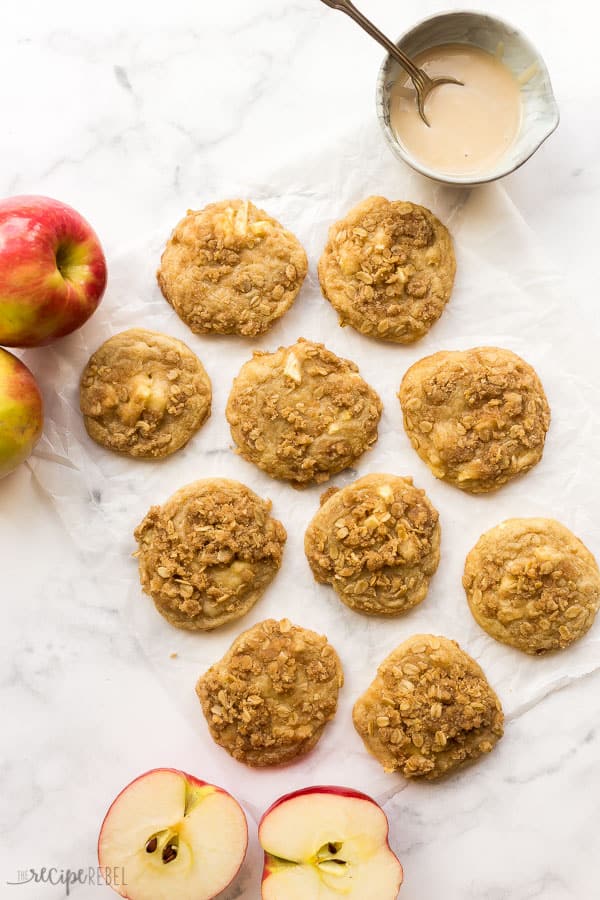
{"x":476,"y":417}
{"x":302,"y":413}
{"x":429,"y":710}
{"x":377,"y":543}
{"x":208,"y":553}
{"x":144,"y":394}
{"x":231,"y":268}
{"x":388,"y":269}
{"x":269,"y":698}
{"x":532,"y":584}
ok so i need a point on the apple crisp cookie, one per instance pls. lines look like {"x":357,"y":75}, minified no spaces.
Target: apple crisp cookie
{"x":388,"y":269}
{"x":302,"y":413}
{"x":532,"y":584}
{"x":476,"y":417}
{"x":144,"y":394}
{"x":269,"y":698}
{"x":377,"y":543}
{"x":208,"y":554}
{"x":231,"y":269}
{"x":429,"y":710}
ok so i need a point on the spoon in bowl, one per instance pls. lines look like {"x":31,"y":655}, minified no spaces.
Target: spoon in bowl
{"x":421,"y":80}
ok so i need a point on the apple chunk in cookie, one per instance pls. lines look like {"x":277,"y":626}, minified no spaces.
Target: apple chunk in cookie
{"x":327,"y":842}
{"x":270,"y":697}
{"x":171,"y":836}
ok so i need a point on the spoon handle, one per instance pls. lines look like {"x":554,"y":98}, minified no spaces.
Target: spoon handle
{"x":346,"y":6}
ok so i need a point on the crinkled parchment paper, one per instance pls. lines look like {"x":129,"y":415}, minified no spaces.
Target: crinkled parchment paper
{"x":506,"y":293}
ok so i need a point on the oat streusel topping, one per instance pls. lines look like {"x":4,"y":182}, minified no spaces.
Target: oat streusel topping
{"x":476,"y":417}
{"x":388,"y":269}
{"x":144,"y":394}
{"x":231,"y":268}
{"x":268,"y":700}
{"x":532,"y":584}
{"x":429,"y":710}
{"x":377,"y":543}
{"x":208,"y":554}
{"x":302,"y":413}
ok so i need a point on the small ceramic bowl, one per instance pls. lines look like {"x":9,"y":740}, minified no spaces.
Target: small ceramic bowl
{"x":540,"y":111}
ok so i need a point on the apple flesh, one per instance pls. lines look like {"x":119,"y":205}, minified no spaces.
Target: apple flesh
{"x":170,"y":836}
{"x":52,"y":271}
{"x":21,"y":412}
{"x":327,"y":843}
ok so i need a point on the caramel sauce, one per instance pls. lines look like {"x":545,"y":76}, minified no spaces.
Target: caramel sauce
{"x":471,"y":126}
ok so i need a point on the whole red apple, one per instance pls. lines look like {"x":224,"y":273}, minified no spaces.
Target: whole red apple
{"x":21,"y":415}
{"x":52,"y":271}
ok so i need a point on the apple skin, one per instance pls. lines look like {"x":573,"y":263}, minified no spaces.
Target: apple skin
{"x":21,"y":412}
{"x":52,"y":271}
{"x":317,"y":789}
{"x":196,"y":782}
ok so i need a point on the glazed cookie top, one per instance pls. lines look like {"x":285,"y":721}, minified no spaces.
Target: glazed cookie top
{"x":377,"y":542}
{"x":144,"y":394}
{"x":388,"y":269}
{"x":268,"y":700}
{"x":532,"y":584}
{"x":232,"y":269}
{"x":476,"y":417}
{"x":208,"y":553}
{"x":302,"y":413}
{"x":429,"y":710}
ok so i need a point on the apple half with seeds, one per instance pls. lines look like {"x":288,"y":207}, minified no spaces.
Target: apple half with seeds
{"x":327,"y":843}
{"x":172,"y":837}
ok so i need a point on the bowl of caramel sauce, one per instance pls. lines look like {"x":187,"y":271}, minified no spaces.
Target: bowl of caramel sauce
{"x":478,"y":131}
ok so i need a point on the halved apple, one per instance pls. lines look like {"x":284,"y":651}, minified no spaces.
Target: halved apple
{"x":328,"y":843}
{"x":170,"y":836}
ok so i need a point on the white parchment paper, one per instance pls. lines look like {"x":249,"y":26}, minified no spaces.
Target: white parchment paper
{"x":507,"y":293}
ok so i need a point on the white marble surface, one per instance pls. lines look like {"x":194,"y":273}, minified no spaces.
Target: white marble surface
{"x":128,"y":113}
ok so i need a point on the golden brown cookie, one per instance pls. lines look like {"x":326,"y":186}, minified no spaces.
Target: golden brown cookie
{"x":208,"y":553}
{"x":429,"y":710}
{"x":532,"y":584}
{"x":476,"y":417}
{"x":377,"y":543}
{"x":302,"y":413}
{"x":144,"y":394}
{"x":388,"y":269}
{"x":231,"y":269}
{"x":268,"y":700}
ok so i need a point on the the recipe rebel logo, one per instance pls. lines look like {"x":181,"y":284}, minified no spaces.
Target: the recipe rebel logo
{"x":70,"y":878}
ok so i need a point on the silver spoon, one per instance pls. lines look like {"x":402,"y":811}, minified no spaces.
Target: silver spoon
{"x":421,"y":80}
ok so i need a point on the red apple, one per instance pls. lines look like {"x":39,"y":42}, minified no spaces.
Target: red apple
{"x":21,"y":412}
{"x":324,"y":843}
{"x":169,"y":835}
{"x":52,"y":271}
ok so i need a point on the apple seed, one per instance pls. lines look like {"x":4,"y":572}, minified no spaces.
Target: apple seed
{"x":169,"y":853}
{"x":152,"y":845}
